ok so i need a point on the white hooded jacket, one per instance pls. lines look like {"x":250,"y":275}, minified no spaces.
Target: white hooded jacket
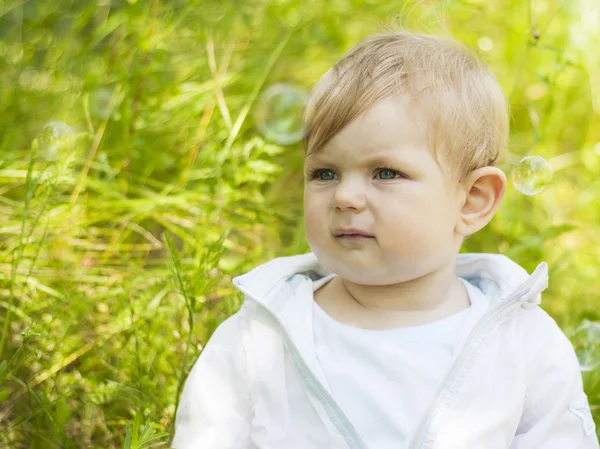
{"x":515,"y":383}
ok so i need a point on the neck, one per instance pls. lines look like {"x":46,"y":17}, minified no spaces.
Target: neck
{"x":430,"y":293}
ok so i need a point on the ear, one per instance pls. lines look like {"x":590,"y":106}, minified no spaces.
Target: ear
{"x":484,"y":190}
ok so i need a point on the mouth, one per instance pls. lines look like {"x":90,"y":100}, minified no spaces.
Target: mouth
{"x":354,"y":236}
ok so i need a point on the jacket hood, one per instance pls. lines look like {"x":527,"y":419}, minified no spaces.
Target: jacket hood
{"x":495,"y":274}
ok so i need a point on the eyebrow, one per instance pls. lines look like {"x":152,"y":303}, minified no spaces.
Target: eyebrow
{"x":375,"y":159}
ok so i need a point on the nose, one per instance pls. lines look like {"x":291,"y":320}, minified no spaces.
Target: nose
{"x":349,"y":194}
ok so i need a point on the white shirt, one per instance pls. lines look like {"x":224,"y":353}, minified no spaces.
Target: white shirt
{"x":374,"y":372}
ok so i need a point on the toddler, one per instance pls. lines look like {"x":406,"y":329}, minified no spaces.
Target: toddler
{"x":385,"y":336}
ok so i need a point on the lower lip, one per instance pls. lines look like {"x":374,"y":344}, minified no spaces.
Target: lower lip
{"x":354,"y":237}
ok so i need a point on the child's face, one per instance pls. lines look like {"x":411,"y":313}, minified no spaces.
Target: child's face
{"x":411,"y":216}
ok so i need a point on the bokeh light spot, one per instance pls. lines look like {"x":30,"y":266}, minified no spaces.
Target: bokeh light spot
{"x":100,"y":104}
{"x":485,"y":43}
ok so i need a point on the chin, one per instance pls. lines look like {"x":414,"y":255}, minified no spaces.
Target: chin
{"x":367,"y":271}
{"x":352,"y":270}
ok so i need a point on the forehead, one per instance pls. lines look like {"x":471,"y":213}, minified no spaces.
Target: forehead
{"x":394,"y":128}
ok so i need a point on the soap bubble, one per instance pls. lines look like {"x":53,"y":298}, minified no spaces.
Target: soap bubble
{"x":586,"y":342}
{"x":278,"y":113}
{"x":55,"y":139}
{"x":532,"y":175}
{"x":56,"y":151}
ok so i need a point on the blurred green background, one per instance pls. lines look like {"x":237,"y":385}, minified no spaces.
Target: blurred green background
{"x":118,"y":243}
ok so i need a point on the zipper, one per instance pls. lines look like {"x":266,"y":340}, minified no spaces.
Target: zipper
{"x":337,"y":416}
{"x":426,"y":422}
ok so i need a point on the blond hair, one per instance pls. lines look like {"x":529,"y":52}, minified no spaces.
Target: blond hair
{"x":467,"y":106}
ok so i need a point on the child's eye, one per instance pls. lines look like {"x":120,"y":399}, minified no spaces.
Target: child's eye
{"x":392,"y":171}
{"x":314,"y":174}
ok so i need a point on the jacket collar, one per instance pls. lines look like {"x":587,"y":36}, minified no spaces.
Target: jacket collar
{"x":495,"y":274}
{"x":284,"y":287}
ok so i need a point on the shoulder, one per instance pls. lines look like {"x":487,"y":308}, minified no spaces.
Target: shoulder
{"x":539,"y":328}
{"x":224,"y":351}
{"x":228,"y":333}
{"x":545,"y":345}
{"x":536,"y":322}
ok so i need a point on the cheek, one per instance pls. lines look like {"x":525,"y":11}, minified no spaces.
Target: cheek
{"x":438,"y":221}
{"x":419,"y":219}
{"x":315,"y":216}
{"x":315,"y":203}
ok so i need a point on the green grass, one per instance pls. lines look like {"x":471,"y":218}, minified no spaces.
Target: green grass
{"x":116,"y":257}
